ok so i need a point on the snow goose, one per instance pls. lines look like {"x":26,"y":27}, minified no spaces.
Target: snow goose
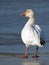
{"x":30,"y":33}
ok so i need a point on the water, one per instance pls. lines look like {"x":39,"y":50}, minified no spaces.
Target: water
{"x":11,"y":22}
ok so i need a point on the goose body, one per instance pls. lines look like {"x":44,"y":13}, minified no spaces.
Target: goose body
{"x":31,"y":35}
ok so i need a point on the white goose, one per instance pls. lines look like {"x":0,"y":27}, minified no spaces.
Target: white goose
{"x":30,"y":34}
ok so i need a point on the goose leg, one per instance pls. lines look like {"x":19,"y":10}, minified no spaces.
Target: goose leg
{"x":26,"y":54}
{"x":36,"y":54}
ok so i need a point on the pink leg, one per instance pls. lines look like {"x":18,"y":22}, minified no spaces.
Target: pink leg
{"x":35,"y":56}
{"x":26,"y":54}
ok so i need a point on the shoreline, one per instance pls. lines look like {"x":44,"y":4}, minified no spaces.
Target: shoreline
{"x":19,"y":54}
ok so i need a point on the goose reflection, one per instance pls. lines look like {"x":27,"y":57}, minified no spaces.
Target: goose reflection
{"x":34,"y":63}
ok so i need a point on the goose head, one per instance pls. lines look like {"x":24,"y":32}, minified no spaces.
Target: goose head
{"x":28,"y":13}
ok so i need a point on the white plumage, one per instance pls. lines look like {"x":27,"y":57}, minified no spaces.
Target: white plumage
{"x":31,"y":33}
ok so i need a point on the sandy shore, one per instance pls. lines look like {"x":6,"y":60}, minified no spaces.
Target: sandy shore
{"x":15,"y":59}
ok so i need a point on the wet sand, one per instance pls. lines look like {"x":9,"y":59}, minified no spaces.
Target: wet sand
{"x":15,"y":59}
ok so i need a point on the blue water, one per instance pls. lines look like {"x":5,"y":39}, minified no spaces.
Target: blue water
{"x":11,"y":22}
{"x":22,"y":48}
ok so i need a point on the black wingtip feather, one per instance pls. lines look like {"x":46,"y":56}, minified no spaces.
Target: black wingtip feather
{"x":42,"y":42}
